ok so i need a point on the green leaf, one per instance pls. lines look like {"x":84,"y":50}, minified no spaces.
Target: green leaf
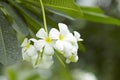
{"x":11,"y":74}
{"x":96,"y":17}
{"x":37,"y":12}
{"x":6,"y":14}
{"x":69,"y":9}
{"x":91,"y":16}
{"x":29,"y":18}
{"x":92,"y":9}
{"x":32,"y":20}
{"x":63,"y":5}
{"x":18,"y":23}
{"x":88,"y":14}
{"x":9,"y":47}
{"x":66,"y":6}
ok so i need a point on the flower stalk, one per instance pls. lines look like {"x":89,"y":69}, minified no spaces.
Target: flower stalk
{"x":44,"y":16}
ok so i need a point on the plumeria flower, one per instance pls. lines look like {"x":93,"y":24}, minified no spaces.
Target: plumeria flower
{"x":66,"y":42}
{"x":30,"y":54}
{"x":74,"y":57}
{"x":44,"y":43}
{"x":63,"y":37}
{"x":41,"y":52}
{"x":28,"y":50}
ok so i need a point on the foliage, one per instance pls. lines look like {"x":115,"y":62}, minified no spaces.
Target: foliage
{"x":23,"y":17}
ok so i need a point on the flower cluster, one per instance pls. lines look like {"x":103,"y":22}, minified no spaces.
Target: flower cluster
{"x":40,"y":51}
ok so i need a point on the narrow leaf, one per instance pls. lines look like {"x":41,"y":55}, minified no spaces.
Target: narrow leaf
{"x":29,"y":18}
{"x":59,"y":58}
{"x":92,"y":9}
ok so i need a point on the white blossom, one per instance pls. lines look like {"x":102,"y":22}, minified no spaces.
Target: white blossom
{"x":31,"y":54}
{"x":66,"y":42}
{"x":44,"y":43}
{"x":40,"y":52}
{"x":28,"y":50}
{"x":63,"y":38}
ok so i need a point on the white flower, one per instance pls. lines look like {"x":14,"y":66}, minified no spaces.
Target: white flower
{"x":45,"y":42}
{"x":41,"y":52}
{"x":45,"y":62}
{"x":64,"y":39}
{"x":37,"y":58}
{"x":66,"y":42}
{"x":28,"y":50}
{"x":77,"y":36}
{"x":74,"y":57}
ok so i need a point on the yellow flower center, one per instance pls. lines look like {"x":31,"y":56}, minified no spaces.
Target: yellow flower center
{"x":61,"y":37}
{"x":48,"y":40}
{"x":27,"y":45}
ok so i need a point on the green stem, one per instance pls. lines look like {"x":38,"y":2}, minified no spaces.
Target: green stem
{"x":44,"y":17}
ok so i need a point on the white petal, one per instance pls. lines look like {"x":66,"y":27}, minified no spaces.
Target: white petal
{"x":59,"y":45}
{"x":24,"y":42}
{"x":70,"y":38}
{"x":67,"y":49}
{"x":34,"y":58}
{"x":68,"y":61}
{"x":34,"y":40}
{"x":46,"y":62}
{"x":54,"y":33}
{"x":63,"y":29}
{"x":67,"y":46}
{"x":47,"y":58}
{"x":39,"y":44}
{"x":75,"y":49}
{"x":48,"y":50}
{"x":77,"y":35}
{"x":73,"y":58}
{"x":76,"y":59}
{"x":75,"y":45}
{"x":41,"y":34}
{"x":25,"y":56}
{"x":67,"y":54}
{"x":31,"y":51}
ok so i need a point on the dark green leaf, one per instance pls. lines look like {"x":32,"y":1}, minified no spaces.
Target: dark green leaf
{"x":88,"y":14}
{"x":9,"y":48}
{"x":68,"y":8}
{"x":37,"y":12}
{"x":29,"y":18}
{"x":18,"y":23}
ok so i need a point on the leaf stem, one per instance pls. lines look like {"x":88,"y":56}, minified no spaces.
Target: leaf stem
{"x":44,"y":17}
